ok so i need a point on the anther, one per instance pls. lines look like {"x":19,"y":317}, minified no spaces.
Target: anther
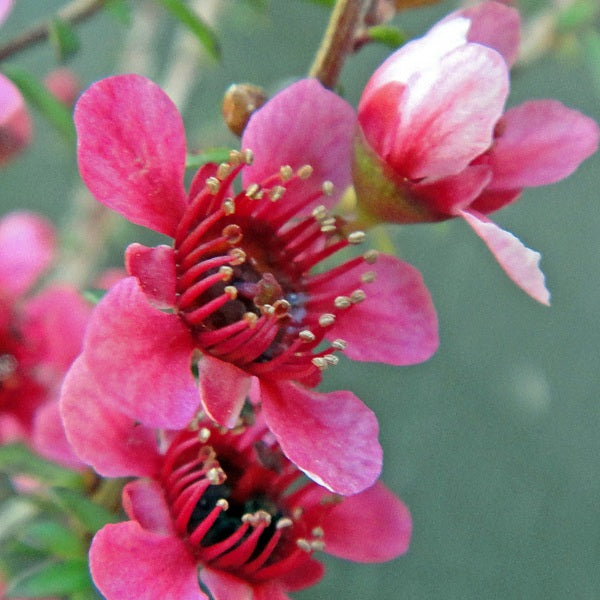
{"x":307,"y":336}
{"x":328,"y":228}
{"x":213,"y":185}
{"x":286,"y":173}
{"x":204,"y":434}
{"x":238,"y":257}
{"x":233,"y":233}
{"x":226,"y":272}
{"x":370,"y":256}
{"x":284,"y":522}
{"x":235,"y":158}
{"x":357,"y":237}
{"x":318,"y":532}
{"x":228,"y":206}
{"x":317,"y":545}
{"x":342,"y":302}
{"x":357,"y":296}
{"x":216,"y":476}
{"x":251,"y":319}
{"x":331,"y":359}
{"x":368,"y":277}
{"x":339,"y":344}
{"x":260,"y":517}
{"x":319,"y":362}
{"x":222,"y":504}
{"x":303,"y":544}
{"x":223,"y":171}
{"x":248,"y":156}
{"x":252,"y":191}
{"x":319,"y":213}
{"x":327,"y":188}
{"x":267,"y":310}
{"x":326,"y":320}
{"x":276,"y":193}
{"x":231,"y":291}
{"x":281,"y":308}
{"x":304,"y":172}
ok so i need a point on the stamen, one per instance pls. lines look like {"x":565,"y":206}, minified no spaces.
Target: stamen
{"x":235,"y":157}
{"x":284,"y":522}
{"x":276,"y":193}
{"x":248,"y":156}
{"x":304,"y":172}
{"x":368,"y":277}
{"x":303,"y":544}
{"x":339,"y":344}
{"x":370,"y":256}
{"x":342,"y":302}
{"x":213,"y":185}
{"x":238,"y":257}
{"x":223,"y":170}
{"x":286,"y":173}
{"x":233,"y":233}
{"x":204,"y":435}
{"x":326,"y":320}
{"x":216,"y":476}
{"x":357,"y":296}
{"x":327,"y":188}
{"x":307,"y":336}
{"x":356,"y":237}
{"x":228,"y":206}
{"x":252,"y":191}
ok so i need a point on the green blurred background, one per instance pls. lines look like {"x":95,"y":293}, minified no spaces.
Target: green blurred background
{"x":494,"y":443}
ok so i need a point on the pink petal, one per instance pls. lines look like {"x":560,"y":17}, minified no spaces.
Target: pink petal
{"x":26,"y":248}
{"x":113,"y":443}
{"x":541,"y":142}
{"x":447,"y":114}
{"x":310,"y":572}
{"x":495,"y":25}
{"x":490,"y":200}
{"x":331,"y":437}
{"x":49,"y":436}
{"x":63,"y":84}
{"x":223,"y":586}
{"x":5,"y":8}
{"x":144,"y":502}
{"x":142,"y":357}
{"x":396,"y":323}
{"x":129,"y":562}
{"x":223,"y":390}
{"x":373,"y":526}
{"x":15,"y":122}
{"x":56,"y":319}
{"x":155,"y":270}
{"x":131,"y":150}
{"x":520,"y":263}
{"x":303,"y":124}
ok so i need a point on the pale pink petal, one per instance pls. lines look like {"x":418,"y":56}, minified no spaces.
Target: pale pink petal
{"x":223,"y":586}
{"x":129,"y":562}
{"x":447,"y":113}
{"x":26,"y":249}
{"x":63,"y":84}
{"x":113,"y":443}
{"x":540,"y":142}
{"x":520,"y":263}
{"x":144,"y":502}
{"x":142,"y":358}
{"x":223,"y":389}
{"x":396,"y":323}
{"x":15,"y":122}
{"x":49,"y":437}
{"x":495,"y":25}
{"x":155,"y":270}
{"x":373,"y":526}
{"x":5,"y":8}
{"x":131,"y":150}
{"x":303,"y":124}
{"x":55,"y":320}
{"x":331,"y":437}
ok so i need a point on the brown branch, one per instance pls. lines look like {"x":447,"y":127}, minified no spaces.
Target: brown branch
{"x":72,"y":13}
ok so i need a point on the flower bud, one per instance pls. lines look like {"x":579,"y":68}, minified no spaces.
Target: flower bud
{"x":239,"y":102}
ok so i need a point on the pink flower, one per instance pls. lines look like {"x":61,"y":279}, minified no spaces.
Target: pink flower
{"x":435,"y":143}
{"x":39,"y":337}
{"x":224,"y":502}
{"x":236,"y":295}
{"x":15,"y":124}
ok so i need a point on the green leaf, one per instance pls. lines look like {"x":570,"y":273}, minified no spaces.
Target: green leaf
{"x":37,"y":95}
{"x":94,"y":295}
{"x":214,"y":155}
{"x":188,"y":18}
{"x":323,"y":2}
{"x":18,"y":459}
{"x":53,"y":538}
{"x":120,"y":10}
{"x":578,"y":14}
{"x":64,"y":39}
{"x":389,"y":36}
{"x":90,"y":515}
{"x":51,"y":579}
{"x":591,"y":51}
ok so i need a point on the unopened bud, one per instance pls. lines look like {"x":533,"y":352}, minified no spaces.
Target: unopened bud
{"x":239,"y":102}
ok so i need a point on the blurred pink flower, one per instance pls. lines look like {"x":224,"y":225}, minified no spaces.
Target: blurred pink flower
{"x":434,"y":141}
{"x":63,"y":84}
{"x":40,"y":336}
{"x":226,"y":502}
{"x":237,"y":286}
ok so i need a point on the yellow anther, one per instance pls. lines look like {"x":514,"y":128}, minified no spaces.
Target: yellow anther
{"x":238,"y":257}
{"x":370,"y":256}
{"x":342,"y":302}
{"x":216,"y":476}
{"x":248,"y":156}
{"x":304,"y":172}
{"x":276,"y":192}
{"x":223,"y":171}
{"x":204,"y":434}
{"x":213,"y":184}
{"x":228,"y":206}
{"x":357,"y":237}
{"x":252,"y":190}
{"x":233,"y":233}
{"x":317,"y":545}
{"x":286,"y":173}
{"x":283,"y":523}
{"x":231,"y":291}
{"x":357,"y":296}
{"x":303,"y":544}
{"x":368,"y":277}
{"x":326,"y":320}
{"x":319,"y":213}
{"x":339,"y":344}
{"x":327,"y":188}
{"x":250,"y":318}
{"x":307,"y":336}
{"x":328,"y":228}
{"x":222,"y":504}
{"x":226,"y":272}
{"x":235,"y":158}
{"x":319,"y":362}
{"x":318,"y":532}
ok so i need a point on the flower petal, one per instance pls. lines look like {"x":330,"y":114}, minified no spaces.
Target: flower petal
{"x":303,"y":124}
{"x":15,"y":122}
{"x":155,"y":270}
{"x":223,"y":390}
{"x":223,"y":586}
{"x":350,"y":525}
{"x":406,"y":330}
{"x":331,"y":437}
{"x":5,"y":8}
{"x":26,"y":249}
{"x":142,"y":358}
{"x":520,"y":263}
{"x":113,"y":443}
{"x":131,"y":150}
{"x":541,"y":142}
{"x":128,"y":562}
{"x":144,"y":502}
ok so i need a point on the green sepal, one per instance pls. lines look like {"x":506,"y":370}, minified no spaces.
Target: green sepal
{"x":63,"y":38}
{"x":389,"y":36}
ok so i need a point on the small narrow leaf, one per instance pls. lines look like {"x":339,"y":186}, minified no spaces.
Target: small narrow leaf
{"x":389,"y":36}
{"x":53,"y":538}
{"x":37,"y":95}
{"x":51,"y":579}
{"x":94,"y":295}
{"x":214,"y":155}
{"x":90,"y":515}
{"x":188,"y":18}
{"x":64,"y":39}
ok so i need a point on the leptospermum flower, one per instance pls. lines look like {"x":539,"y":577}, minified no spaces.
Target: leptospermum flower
{"x":221,"y":506}
{"x":15,"y":124}
{"x":236,"y":294}
{"x":40,"y":336}
{"x":434,"y":142}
